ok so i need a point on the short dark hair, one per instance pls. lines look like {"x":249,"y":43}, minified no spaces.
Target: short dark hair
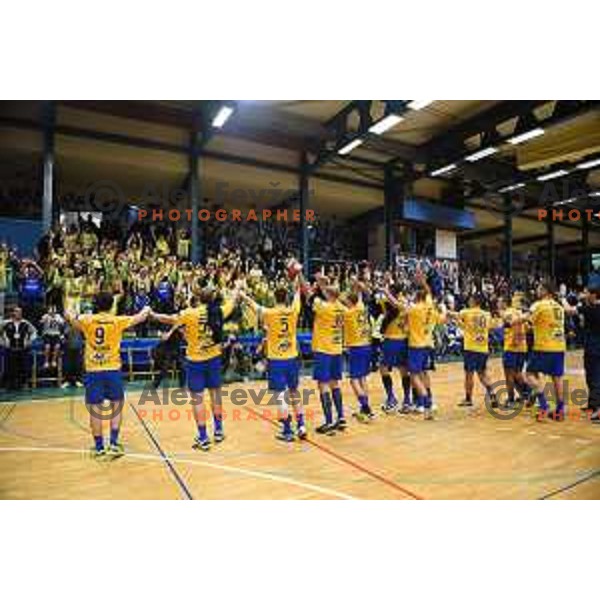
{"x":103,"y":301}
{"x":281,"y":295}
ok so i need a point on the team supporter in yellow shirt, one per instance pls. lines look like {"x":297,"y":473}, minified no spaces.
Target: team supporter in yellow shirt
{"x":422,"y":317}
{"x":476,"y":324}
{"x":103,"y":333}
{"x":283,"y":366}
{"x":357,"y":340}
{"x":395,"y":347}
{"x":327,"y":346}
{"x":514,"y":352}
{"x":547,"y":318}
{"x":202,"y":328}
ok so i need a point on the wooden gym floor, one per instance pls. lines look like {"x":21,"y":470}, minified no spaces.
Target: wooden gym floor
{"x":461,"y":455}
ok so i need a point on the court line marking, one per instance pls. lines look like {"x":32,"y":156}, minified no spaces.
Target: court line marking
{"x":346,"y":460}
{"x":178,"y":479}
{"x":570,"y":486}
{"x":228,"y":468}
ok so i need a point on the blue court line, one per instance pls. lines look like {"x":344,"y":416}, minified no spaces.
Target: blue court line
{"x":570,"y":486}
{"x":165,"y":458}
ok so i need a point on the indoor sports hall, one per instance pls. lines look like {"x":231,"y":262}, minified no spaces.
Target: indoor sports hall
{"x":135,"y":198}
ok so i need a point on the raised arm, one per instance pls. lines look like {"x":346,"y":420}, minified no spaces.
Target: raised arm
{"x":72,"y":320}
{"x":249,"y":300}
{"x":166,"y":319}
{"x":140,"y":317}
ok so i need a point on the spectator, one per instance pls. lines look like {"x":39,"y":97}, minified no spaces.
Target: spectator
{"x":17,"y":336}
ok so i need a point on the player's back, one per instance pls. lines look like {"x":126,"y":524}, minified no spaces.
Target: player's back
{"x":421,"y":319}
{"x":515,"y":333}
{"x":396,"y":328}
{"x":281,"y":324}
{"x":198,"y":333}
{"x":548,"y":320}
{"x":103,"y":333}
{"x":476,"y":325}
{"x":328,"y":326}
{"x":357,"y":329}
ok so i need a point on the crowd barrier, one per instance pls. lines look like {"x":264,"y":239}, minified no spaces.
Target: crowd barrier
{"x":138,"y":360}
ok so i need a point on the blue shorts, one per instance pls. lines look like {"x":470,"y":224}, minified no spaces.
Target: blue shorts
{"x":103,"y":385}
{"x":202,"y":374}
{"x":420,"y":360}
{"x":475,"y":362}
{"x":327,"y":367}
{"x":283,"y":374}
{"x":359,"y":361}
{"x":515,"y":361}
{"x":395,"y":353}
{"x":548,"y":363}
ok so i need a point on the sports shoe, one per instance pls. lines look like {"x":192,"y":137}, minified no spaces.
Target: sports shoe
{"x":116,"y":450}
{"x":201,"y":444}
{"x":389,"y":407}
{"x":557,"y":415}
{"x":98,"y":454}
{"x":595,"y":417}
{"x":285,"y":437}
{"x":326,"y":429}
{"x":405,"y":409}
{"x":219,"y":436}
{"x":301,"y":432}
{"x":340,"y":424}
{"x":465,"y":403}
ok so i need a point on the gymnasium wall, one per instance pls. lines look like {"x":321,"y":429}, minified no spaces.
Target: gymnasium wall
{"x":22,"y":233}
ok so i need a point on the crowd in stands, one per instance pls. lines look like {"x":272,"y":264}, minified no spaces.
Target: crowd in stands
{"x":150,"y":265}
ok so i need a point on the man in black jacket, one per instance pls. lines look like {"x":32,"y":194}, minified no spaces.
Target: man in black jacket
{"x":589,"y":309}
{"x":16,"y":334}
{"x":167,"y":354}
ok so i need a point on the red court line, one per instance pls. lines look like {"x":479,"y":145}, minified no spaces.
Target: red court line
{"x":348,"y":461}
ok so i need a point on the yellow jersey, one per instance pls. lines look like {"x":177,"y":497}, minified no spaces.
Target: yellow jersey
{"x":328,"y":326}
{"x":103,"y":333}
{"x":396,"y":329}
{"x":281,"y":324}
{"x":476,"y":324}
{"x":198,"y":334}
{"x":421,"y":319}
{"x":548,"y":322}
{"x":515,"y":335}
{"x":357,"y":329}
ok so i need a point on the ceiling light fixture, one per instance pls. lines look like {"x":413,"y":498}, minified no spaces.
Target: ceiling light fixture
{"x":552,"y":175}
{"x":528,"y":135}
{"x":419,"y":104}
{"x":221,"y":117}
{"x":385,"y":124}
{"x":443,"y":170}
{"x":589,"y":164}
{"x":350,"y":146}
{"x":510,"y":188}
{"x":481,"y":154}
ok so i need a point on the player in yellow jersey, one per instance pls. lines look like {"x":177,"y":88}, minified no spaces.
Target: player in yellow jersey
{"x":422,"y":317}
{"x":357,"y":340}
{"x":514,"y":348}
{"x":395,"y":348}
{"x":327,"y":346}
{"x":202,"y":327}
{"x":476,"y":324}
{"x":280,"y":323}
{"x":103,"y":332}
{"x":547,"y":318}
